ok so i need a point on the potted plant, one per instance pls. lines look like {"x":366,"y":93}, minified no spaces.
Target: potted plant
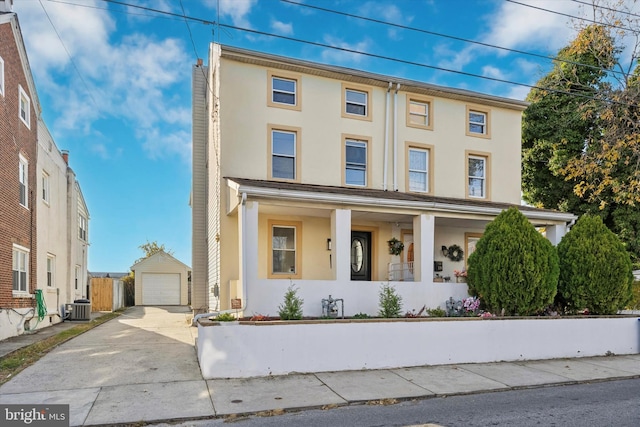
{"x":461,"y":276}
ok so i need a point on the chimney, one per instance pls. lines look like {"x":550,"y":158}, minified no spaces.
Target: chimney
{"x":199,"y":63}
{"x":6,"y":6}
{"x":65,"y":156}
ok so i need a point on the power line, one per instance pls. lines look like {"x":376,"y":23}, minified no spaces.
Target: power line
{"x":606,"y":8}
{"x":107,"y":9}
{"x":377,"y":56}
{"x":68,"y":54}
{"x":417,"y":64}
{"x":183,"y":16}
{"x":420,"y":30}
{"x":570,"y":16}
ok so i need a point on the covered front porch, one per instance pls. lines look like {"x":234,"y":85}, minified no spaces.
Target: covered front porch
{"x":333,"y":242}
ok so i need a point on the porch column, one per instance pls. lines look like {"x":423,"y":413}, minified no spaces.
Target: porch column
{"x":341,"y":244}
{"x":423,"y":238}
{"x":248,"y":248}
{"x":555,"y":233}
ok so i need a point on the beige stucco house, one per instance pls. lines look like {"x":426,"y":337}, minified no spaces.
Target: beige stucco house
{"x":303,"y":172}
{"x":161,"y":279}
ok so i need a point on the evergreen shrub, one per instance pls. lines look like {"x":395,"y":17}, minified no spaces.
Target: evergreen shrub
{"x":390,"y":303}
{"x":514,"y":269}
{"x":291,"y":308}
{"x":595,"y":269}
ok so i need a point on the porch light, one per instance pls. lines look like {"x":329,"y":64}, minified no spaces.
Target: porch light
{"x":445,"y":251}
{"x":328,"y":244}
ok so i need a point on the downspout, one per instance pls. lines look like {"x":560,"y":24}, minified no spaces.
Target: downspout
{"x":395,"y":138}
{"x":243,"y":206}
{"x":385,"y":157}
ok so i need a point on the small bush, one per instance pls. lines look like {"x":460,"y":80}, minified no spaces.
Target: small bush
{"x":595,"y":269}
{"x":436,"y":312}
{"x":361,"y":316}
{"x":291,"y":308}
{"x":514,"y":268}
{"x":390,"y":302}
{"x":225,"y":317}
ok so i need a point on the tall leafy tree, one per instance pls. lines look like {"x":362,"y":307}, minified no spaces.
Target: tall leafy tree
{"x":560,"y":121}
{"x":581,"y":132}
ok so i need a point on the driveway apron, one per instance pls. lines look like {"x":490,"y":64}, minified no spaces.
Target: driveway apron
{"x":140,"y":366}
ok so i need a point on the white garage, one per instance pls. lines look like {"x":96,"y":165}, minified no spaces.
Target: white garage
{"x":161,"y":280}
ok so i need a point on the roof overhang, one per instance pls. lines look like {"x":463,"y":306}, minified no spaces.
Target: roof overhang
{"x":368,"y":198}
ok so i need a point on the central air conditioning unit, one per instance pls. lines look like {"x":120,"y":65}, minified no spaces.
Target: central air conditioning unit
{"x":78,"y":310}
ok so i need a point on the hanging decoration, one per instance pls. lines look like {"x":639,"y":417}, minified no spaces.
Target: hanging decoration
{"x":455,"y":253}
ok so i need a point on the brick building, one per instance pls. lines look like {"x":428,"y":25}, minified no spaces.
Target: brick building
{"x":19,"y":110}
{"x":43,"y":215}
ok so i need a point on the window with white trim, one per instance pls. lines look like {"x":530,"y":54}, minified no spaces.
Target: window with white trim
{"x":283,"y":154}
{"x":24,"y":107}
{"x":46,"y":196}
{"x":283,"y":91}
{"x":1,"y":76}
{"x":477,"y":122}
{"x":283,"y":249}
{"x":23,"y":178}
{"x":356,"y":102}
{"x":20,"y":269}
{"x":50,"y":270}
{"x":77,"y":277}
{"x":82,"y":227}
{"x":419,"y":113}
{"x":356,"y":162}
{"x":477,"y":176}
{"x":418,"y":170}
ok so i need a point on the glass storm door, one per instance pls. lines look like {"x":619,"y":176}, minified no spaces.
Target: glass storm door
{"x":360,"y":255}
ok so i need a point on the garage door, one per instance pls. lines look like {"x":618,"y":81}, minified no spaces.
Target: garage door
{"x":160,"y":289}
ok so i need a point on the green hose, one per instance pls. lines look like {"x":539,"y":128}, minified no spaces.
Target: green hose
{"x":41,"y":306}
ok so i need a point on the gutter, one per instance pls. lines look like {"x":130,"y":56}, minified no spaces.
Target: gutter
{"x":395,"y":138}
{"x":385,"y":159}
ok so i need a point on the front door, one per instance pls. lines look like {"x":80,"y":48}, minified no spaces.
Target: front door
{"x":360,"y":255}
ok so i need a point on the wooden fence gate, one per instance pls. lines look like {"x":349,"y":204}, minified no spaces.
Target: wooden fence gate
{"x":101,"y":294}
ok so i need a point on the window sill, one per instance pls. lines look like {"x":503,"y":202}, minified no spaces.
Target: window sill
{"x":21,"y":294}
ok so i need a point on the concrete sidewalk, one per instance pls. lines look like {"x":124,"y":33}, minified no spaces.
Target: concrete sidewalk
{"x":142,"y":367}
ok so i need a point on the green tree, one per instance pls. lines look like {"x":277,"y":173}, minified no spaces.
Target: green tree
{"x":514,"y":268}
{"x":581,"y":132}
{"x":291,"y":308}
{"x":390,"y":303}
{"x":151,"y":248}
{"x":560,"y":120}
{"x":595,"y":269}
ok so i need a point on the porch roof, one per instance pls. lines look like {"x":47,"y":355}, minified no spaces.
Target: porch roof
{"x":381,"y":198}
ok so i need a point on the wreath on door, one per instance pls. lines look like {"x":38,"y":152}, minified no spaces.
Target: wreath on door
{"x":455,"y":253}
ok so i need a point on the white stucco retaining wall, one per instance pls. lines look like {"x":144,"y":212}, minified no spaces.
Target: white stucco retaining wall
{"x":277,"y":348}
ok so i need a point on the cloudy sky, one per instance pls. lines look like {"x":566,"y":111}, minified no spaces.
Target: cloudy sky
{"x":114,"y":81}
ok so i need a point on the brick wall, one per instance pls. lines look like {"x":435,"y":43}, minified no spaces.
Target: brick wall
{"x":17,"y":224}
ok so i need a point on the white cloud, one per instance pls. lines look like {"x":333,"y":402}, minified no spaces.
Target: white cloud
{"x":162,"y":145}
{"x":237,"y":10}
{"x":343,"y":57}
{"x":514,"y":25}
{"x":282,"y":28}
{"x":130,"y":80}
{"x":492,"y":72}
{"x":385,"y":12}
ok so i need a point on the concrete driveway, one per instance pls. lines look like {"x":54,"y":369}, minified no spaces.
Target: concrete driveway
{"x":141,"y":366}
